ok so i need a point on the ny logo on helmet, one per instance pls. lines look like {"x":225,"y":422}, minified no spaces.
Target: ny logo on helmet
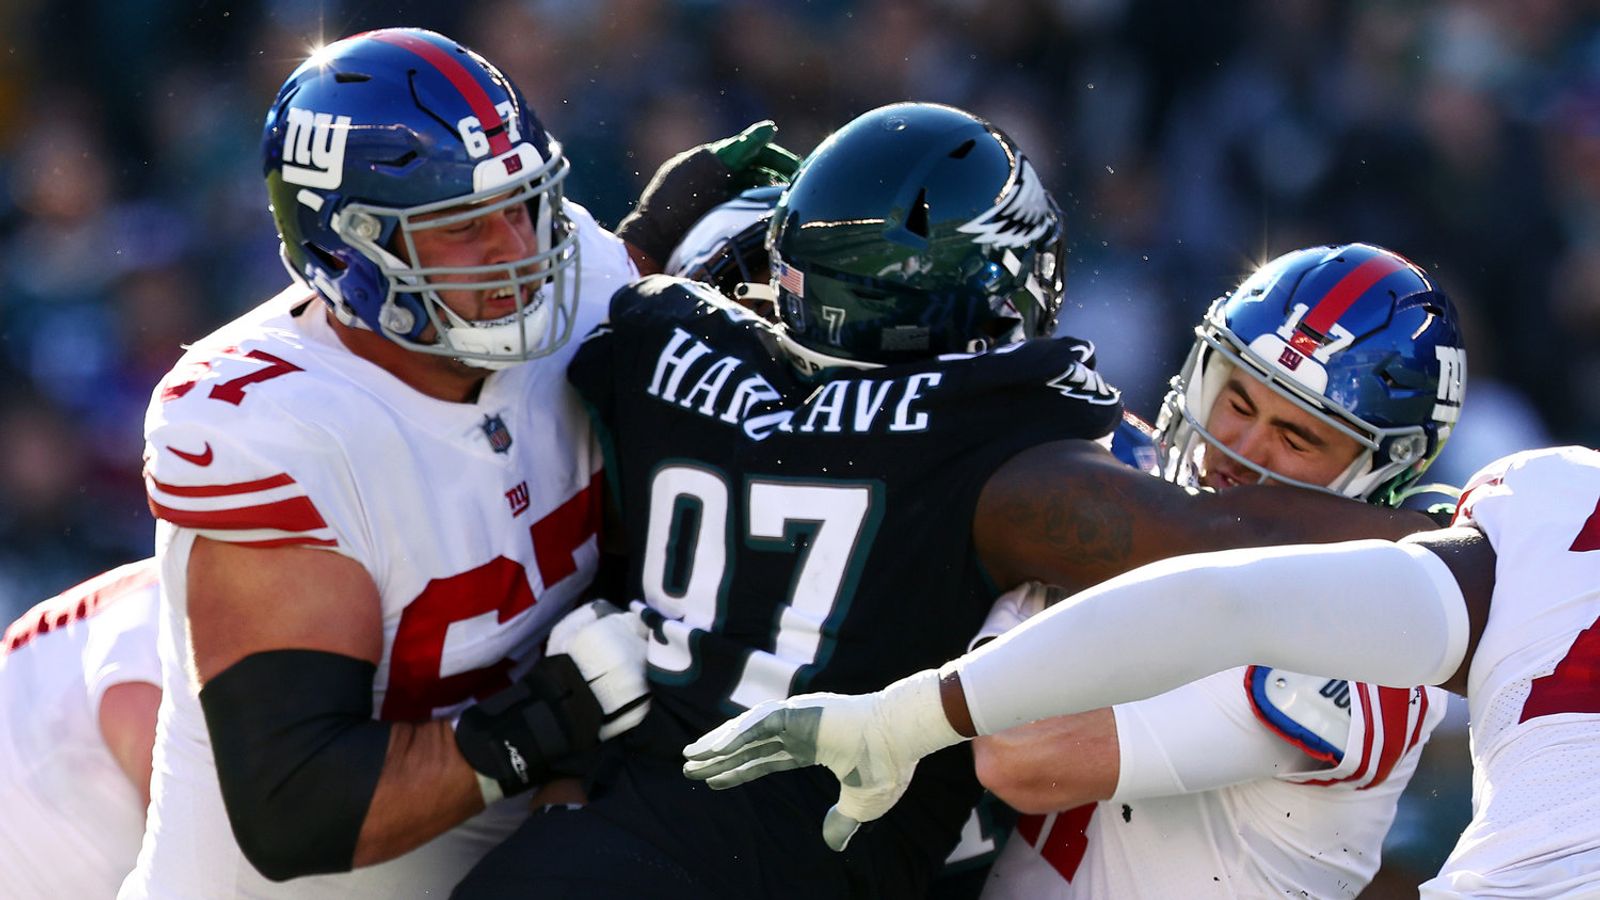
{"x":1452,"y":382}
{"x":315,"y":144}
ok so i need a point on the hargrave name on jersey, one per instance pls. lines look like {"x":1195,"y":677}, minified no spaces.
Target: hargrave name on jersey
{"x":730,"y":390}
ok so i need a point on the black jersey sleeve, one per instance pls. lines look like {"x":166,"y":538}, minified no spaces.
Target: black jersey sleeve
{"x":1064,"y":379}
{"x":660,"y":328}
{"x":607,"y":361}
{"x":1006,"y":400}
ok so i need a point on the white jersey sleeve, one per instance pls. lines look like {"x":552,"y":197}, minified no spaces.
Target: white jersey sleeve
{"x":264,"y":476}
{"x":1534,"y":710}
{"x":121,"y":644}
{"x":66,"y":807}
{"x":1198,"y":737}
{"x":1212,"y":802}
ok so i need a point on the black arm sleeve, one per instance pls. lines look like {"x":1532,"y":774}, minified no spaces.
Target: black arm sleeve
{"x":298,"y":757}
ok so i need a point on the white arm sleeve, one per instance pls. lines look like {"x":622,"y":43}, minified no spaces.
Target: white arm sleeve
{"x":1199,"y":737}
{"x":1373,"y":611}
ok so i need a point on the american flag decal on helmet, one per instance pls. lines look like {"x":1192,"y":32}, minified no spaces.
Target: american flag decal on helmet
{"x":499,"y":435}
{"x":791,"y":279}
{"x":1021,"y":216}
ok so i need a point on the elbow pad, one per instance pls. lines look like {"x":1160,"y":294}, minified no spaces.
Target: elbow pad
{"x":298,"y":757}
{"x":528,"y":732}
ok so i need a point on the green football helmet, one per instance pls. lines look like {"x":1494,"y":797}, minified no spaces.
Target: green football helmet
{"x":915,"y":230}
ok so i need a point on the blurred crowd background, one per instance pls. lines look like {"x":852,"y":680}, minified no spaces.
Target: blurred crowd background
{"x":1187,"y":142}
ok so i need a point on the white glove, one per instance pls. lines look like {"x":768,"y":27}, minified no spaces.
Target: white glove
{"x":871,"y":743}
{"x":608,"y":646}
{"x":1014,"y":607}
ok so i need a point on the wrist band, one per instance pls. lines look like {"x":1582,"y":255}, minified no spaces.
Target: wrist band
{"x":488,"y":788}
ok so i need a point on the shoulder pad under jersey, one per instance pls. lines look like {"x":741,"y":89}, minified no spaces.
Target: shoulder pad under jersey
{"x":659,"y":298}
{"x":1530,"y":487}
{"x":1309,"y":711}
{"x":1134,"y":443}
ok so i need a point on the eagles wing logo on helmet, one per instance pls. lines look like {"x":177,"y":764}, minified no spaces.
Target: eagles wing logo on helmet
{"x":1021,"y":216}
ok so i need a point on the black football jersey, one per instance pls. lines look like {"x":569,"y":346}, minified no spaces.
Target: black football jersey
{"x":799,"y":535}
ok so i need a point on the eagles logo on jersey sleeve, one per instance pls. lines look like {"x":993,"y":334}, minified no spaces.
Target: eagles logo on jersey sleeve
{"x":1052,"y":378}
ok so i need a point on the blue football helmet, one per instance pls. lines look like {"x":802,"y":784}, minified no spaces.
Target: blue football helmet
{"x":1355,"y":335}
{"x":915,"y":230}
{"x":389,"y":133}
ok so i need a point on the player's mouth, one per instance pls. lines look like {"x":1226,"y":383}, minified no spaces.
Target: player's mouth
{"x":1222,"y":480}
{"x":499,"y":303}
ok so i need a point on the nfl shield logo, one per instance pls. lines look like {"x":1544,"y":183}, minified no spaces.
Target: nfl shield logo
{"x":499,"y":436}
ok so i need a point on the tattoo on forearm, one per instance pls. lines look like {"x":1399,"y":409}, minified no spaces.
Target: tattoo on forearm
{"x":1087,"y":531}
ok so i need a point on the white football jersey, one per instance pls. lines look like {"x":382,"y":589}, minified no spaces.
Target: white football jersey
{"x":70,"y":819}
{"x":1531,"y":689}
{"x":1314,"y":829}
{"x":477,"y":521}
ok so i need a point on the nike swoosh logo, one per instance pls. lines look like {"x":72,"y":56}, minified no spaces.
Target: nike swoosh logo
{"x":200,"y":459}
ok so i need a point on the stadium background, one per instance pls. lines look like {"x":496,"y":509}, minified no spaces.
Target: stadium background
{"x":1186,"y":141}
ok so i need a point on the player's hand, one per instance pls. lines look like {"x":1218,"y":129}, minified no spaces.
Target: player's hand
{"x":753,"y":159}
{"x":871,"y":743}
{"x":831,"y":730}
{"x":689,"y":184}
{"x":608,"y":646}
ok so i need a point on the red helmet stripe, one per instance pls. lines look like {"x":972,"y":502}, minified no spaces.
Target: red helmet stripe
{"x":1334,"y":303}
{"x":482,"y":107}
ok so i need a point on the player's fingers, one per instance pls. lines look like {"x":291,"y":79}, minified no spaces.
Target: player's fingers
{"x":752,"y":725}
{"x":775,"y":762}
{"x":838,"y":829}
{"x":703,"y":768}
{"x":756,"y":134}
{"x":777,"y":159}
{"x":736,"y":152}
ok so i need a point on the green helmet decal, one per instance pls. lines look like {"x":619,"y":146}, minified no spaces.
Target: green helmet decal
{"x":915,"y":230}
